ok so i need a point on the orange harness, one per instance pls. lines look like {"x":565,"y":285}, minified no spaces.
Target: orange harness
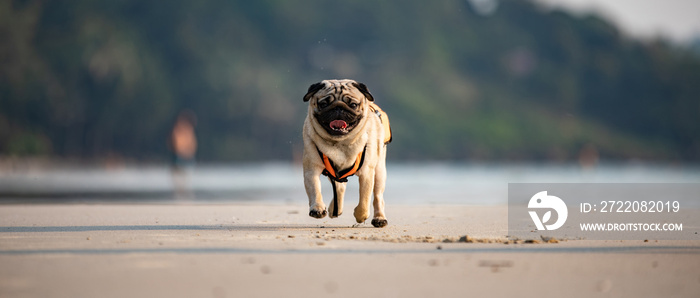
{"x":341,"y":176}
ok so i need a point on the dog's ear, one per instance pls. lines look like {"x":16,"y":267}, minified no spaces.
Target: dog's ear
{"x":313,"y":89}
{"x":364,"y":90}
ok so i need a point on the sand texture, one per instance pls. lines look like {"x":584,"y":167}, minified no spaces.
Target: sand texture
{"x":253,"y":250}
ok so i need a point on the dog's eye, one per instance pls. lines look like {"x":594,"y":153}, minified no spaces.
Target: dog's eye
{"x":352,"y":105}
{"x":323,"y":102}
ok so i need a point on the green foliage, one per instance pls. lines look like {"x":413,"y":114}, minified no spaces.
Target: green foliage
{"x":88,"y":79}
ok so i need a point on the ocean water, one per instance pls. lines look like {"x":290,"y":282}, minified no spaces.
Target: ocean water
{"x":407,"y":183}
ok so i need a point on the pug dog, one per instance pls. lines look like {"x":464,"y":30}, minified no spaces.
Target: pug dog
{"x":344,"y":133}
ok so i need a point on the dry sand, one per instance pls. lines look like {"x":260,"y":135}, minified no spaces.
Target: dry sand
{"x":246,"y":250}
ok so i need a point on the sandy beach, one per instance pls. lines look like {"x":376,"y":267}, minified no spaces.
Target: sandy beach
{"x":276,"y":250}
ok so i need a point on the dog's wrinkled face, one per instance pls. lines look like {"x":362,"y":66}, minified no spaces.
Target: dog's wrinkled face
{"x":338,"y":105}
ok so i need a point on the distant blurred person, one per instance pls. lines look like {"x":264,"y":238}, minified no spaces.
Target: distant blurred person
{"x":183,"y":144}
{"x":183,"y":141}
{"x":588,"y":156}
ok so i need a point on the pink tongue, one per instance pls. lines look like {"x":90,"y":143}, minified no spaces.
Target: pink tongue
{"x":338,"y":124}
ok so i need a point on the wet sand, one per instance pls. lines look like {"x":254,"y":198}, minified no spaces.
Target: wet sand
{"x":255,"y":250}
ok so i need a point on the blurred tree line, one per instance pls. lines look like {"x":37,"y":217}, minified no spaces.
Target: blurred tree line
{"x":484,"y":80}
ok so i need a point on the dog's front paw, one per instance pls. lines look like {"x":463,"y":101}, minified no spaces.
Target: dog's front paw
{"x":361,"y":214}
{"x":379,"y":222}
{"x":318,"y":213}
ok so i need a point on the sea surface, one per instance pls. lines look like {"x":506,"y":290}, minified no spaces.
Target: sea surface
{"x":280,"y":182}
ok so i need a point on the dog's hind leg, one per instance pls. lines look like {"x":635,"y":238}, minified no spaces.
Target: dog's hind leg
{"x":339,"y":192}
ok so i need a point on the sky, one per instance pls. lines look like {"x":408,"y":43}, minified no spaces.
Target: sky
{"x":677,"y":20}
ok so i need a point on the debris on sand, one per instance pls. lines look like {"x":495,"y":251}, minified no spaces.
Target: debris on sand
{"x":433,"y":239}
{"x":387,"y":237}
{"x":549,"y":239}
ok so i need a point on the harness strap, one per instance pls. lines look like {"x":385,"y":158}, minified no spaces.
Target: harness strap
{"x":335,"y":200}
